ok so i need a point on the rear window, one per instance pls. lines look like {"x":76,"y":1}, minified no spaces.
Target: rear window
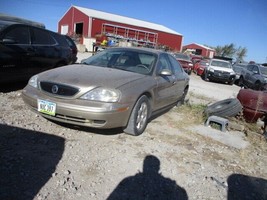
{"x":42,"y":37}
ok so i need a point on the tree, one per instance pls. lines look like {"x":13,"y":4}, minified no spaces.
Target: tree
{"x":241,"y":52}
{"x":231,"y":51}
{"x":228,"y":50}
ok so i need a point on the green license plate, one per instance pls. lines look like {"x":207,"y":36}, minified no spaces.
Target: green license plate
{"x":46,"y":107}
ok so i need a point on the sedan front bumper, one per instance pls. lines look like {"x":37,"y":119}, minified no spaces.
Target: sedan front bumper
{"x":217,"y":76}
{"x":80,"y":112}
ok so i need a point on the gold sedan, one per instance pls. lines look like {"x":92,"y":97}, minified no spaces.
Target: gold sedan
{"x":119,"y":87}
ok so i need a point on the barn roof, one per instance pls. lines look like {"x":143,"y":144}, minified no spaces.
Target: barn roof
{"x":125,"y":20}
{"x":200,"y":45}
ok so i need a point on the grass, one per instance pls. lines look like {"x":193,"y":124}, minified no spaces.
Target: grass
{"x":192,"y":113}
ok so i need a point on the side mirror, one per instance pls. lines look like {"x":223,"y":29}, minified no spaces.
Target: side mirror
{"x":8,"y":41}
{"x":165,"y":72}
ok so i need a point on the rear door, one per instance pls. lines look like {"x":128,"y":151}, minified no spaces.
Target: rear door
{"x":164,"y":92}
{"x":14,"y":54}
{"x":45,"y":53}
{"x":179,"y":76}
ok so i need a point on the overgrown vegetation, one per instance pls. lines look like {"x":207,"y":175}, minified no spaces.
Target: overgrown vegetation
{"x":194,"y":112}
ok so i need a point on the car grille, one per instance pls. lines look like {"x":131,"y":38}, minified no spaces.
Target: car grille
{"x":221,"y":73}
{"x":58,"y":89}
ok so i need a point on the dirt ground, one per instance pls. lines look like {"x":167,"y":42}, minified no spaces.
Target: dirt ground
{"x":175,"y":158}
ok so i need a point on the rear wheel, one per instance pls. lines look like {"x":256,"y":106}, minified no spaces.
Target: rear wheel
{"x":139,"y":117}
{"x":257,"y":85}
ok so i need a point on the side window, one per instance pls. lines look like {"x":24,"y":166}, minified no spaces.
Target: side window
{"x":42,"y":37}
{"x":163,"y":64}
{"x":249,"y":67}
{"x":255,"y":70}
{"x":20,"y":35}
{"x":175,"y":64}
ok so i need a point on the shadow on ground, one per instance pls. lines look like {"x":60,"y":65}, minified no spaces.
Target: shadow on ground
{"x":27,"y":161}
{"x":246,"y":187}
{"x":149,"y":184}
{"x":14,"y":86}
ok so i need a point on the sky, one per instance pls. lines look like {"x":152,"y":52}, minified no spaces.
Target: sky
{"x":207,"y":22}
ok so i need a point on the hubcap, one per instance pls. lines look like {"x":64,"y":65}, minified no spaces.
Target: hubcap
{"x":141,"y":116}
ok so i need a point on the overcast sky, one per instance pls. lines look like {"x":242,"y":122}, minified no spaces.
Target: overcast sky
{"x":208,"y":22}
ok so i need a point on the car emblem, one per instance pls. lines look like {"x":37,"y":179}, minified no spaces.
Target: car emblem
{"x":54,"y":89}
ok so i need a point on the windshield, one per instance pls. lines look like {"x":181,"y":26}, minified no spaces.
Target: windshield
{"x":181,"y":56}
{"x":129,"y":60}
{"x":223,"y":64}
{"x":264,"y":70}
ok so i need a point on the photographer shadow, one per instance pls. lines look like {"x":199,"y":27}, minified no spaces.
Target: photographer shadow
{"x":149,"y":184}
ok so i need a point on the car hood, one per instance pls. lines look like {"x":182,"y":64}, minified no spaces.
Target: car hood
{"x":222,"y":69}
{"x":89,"y":76}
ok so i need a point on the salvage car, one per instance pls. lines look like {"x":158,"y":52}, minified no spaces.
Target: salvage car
{"x":26,"y":50}
{"x":238,"y":67}
{"x":254,"y":104}
{"x":118,"y":87}
{"x":185,"y":61}
{"x":201,"y":66}
{"x":220,"y":71}
{"x":253,"y":76}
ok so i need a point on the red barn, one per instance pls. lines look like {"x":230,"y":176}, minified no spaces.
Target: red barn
{"x":86,"y":24}
{"x":199,"y":49}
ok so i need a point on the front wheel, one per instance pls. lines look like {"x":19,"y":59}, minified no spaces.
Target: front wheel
{"x":139,"y":117}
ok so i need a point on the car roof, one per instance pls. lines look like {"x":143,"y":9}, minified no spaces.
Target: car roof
{"x":8,"y":19}
{"x":156,"y":51}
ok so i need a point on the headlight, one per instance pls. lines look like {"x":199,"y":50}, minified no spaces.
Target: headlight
{"x":232,"y":73}
{"x":33,"y":81}
{"x":102,"y":94}
{"x":211,"y":69}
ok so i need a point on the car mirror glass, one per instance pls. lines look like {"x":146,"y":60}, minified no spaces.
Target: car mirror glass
{"x":165,"y":72}
{"x":9,"y":41}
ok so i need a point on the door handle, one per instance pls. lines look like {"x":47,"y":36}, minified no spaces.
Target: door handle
{"x":30,"y":52}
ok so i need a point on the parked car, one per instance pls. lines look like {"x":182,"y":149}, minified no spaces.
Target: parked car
{"x":254,"y":104}
{"x":201,"y":66}
{"x":219,"y":70}
{"x":185,"y":61}
{"x":118,"y":87}
{"x":26,"y":50}
{"x":238,"y":67}
{"x":254,"y":76}
{"x":74,"y":49}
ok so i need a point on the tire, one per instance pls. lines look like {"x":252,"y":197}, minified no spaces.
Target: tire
{"x":257,"y":85}
{"x":139,"y":117}
{"x":241,"y":81}
{"x":204,"y":75}
{"x":225,"y":108}
{"x":182,"y":100}
{"x":189,"y":72}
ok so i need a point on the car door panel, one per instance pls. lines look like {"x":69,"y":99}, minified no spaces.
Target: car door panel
{"x":165,"y":91}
